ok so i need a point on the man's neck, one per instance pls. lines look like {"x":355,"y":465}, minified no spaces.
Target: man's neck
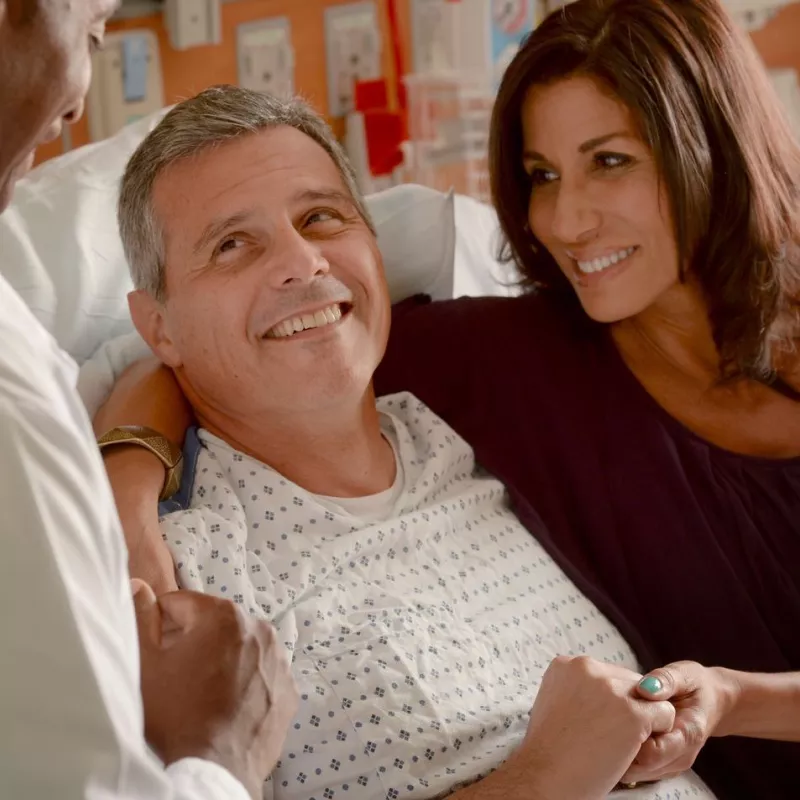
{"x":340,"y":452}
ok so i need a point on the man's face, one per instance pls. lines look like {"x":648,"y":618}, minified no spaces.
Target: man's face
{"x":45,"y":70}
{"x":276,"y":298}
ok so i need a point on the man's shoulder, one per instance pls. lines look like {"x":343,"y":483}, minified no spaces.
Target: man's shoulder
{"x":207,"y":488}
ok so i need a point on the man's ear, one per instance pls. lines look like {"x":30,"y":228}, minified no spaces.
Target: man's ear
{"x":149,"y":317}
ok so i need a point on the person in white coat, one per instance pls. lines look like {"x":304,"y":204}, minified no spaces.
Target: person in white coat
{"x":198,"y":709}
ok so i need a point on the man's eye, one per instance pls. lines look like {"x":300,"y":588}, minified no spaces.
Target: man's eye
{"x":96,"y":43}
{"x":232,"y":243}
{"x":321,"y":216}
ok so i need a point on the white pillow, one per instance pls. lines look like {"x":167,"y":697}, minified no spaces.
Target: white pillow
{"x":60,"y":248}
{"x":477,"y":268}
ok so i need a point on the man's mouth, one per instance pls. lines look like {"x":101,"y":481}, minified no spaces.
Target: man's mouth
{"x":321,"y":318}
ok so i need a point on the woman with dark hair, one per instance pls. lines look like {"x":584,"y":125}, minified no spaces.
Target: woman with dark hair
{"x":641,"y":398}
{"x":642,"y":395}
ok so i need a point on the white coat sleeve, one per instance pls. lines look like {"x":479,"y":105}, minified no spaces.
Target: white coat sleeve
{"x":71,"y":712}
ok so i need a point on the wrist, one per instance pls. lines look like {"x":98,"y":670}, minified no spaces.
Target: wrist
{"x":135,"y":473}
{"x":529,"y":774}
{"x":732,"y":701}
{"x":240,"y":766}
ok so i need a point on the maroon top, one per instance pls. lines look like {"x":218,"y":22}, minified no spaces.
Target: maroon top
{"x":692,"y":551}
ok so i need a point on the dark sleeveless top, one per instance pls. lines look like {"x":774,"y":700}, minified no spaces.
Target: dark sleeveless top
{"x":692,"y":551}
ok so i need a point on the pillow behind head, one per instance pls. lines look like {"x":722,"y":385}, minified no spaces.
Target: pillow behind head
{"x":60,"y":247}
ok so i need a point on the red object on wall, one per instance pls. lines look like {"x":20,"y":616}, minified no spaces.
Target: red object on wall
{"x":384,"y":129}
{"x":397,"y":56}
{"x":370,"y":95}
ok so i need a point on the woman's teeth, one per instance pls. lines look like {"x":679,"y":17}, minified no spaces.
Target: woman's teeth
{"x":599,"y":264}
{"x":302,"y":323}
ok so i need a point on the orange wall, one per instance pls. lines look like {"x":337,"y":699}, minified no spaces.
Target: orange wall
{"x":189,"y":71}
{"x":779,"y":41}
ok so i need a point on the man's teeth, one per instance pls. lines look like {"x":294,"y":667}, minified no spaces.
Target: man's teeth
{"x":599,"y":264}
{"x":302,"y":323}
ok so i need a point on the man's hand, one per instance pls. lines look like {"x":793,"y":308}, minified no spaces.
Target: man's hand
{"x":586,"y":727}
{"x":702,"y":698}
{"x":215,"y":683}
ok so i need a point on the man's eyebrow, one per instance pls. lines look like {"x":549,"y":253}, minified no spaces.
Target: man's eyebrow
{"x":217,"y":227}
{"x":329,"y":195}
{"x":586,"y":147}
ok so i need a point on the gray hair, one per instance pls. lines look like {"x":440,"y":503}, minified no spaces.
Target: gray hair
{"x":213,"y":117}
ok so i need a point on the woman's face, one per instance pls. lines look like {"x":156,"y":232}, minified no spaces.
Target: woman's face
{"x":596,"y":201}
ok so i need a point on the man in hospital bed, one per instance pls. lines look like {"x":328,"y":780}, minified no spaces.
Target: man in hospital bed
{"x":420,"y":614}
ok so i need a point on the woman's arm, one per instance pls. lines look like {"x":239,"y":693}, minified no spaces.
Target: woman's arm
{"x":713,"y":701}
{"x":146,"y":394}
{"x":764,"y":706}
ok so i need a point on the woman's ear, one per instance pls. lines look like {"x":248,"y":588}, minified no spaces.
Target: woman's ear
{"x":149,"y":317}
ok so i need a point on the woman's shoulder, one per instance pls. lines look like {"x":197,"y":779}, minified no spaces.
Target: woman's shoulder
{"x":484,"y":323}
{"x":449,"y":342}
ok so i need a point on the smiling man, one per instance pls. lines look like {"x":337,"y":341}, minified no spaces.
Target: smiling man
{"x":420,"y":614}
{"x":268,"y":299}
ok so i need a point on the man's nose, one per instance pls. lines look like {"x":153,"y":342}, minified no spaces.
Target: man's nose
{"x":298,"y":261}
{"x":576,"y":216}
{"x":75,"y":112}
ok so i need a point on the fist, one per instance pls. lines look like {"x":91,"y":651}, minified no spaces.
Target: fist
{"x":215,"y":683}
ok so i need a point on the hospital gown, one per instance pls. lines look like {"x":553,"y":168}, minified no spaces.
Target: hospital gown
{"x":419,"y":631}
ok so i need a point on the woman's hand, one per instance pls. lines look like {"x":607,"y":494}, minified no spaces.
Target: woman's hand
{"x":586,"y":727}
{"x":702,"y":696}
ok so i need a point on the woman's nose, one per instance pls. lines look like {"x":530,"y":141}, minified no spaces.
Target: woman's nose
{"x":576,"y":216}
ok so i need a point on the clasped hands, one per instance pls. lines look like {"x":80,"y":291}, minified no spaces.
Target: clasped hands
{"x":595,"y":725}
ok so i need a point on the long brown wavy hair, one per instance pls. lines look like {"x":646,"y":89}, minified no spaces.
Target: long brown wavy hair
{"x":723,"y":146}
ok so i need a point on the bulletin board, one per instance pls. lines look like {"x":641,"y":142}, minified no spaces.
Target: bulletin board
{"x":187,"y":72}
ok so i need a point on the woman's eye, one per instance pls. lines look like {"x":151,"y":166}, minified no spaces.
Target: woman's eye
{"x":611,"y":160}
{"x":541,"y":176}
{"x":95,"y":43}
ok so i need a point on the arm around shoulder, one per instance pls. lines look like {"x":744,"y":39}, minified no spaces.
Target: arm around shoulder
{"x":146,"y":394}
